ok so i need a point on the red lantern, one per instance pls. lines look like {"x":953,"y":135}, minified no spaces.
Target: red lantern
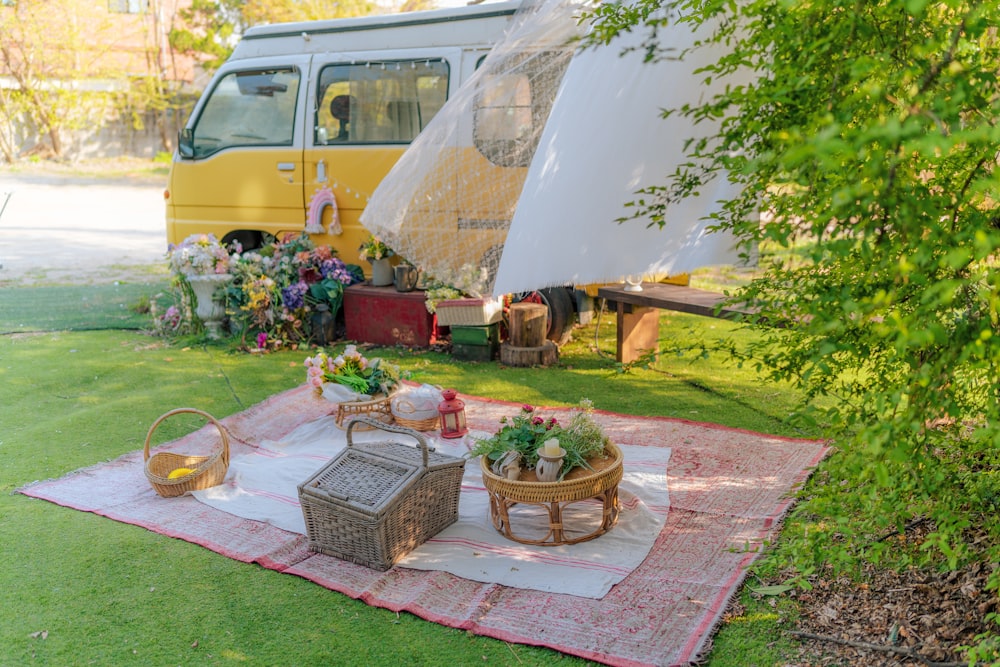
{"x":452,"y":411}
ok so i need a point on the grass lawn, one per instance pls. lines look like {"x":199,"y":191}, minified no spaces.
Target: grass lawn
{"x":81,"y":382}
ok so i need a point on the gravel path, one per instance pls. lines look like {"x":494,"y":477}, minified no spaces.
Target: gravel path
{"x":64,"y":229}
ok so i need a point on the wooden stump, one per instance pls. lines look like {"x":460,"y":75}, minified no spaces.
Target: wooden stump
{"x":542,"y":355}
{"x":528,"y":324}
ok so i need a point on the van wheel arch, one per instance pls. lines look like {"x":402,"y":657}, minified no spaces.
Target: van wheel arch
{"x":249,"y":239}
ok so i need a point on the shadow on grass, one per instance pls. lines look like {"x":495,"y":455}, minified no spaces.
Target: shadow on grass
{"x":77,"y":308}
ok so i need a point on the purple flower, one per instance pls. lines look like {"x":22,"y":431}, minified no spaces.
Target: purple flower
{"x":261,"y":340}
{"x":293,"y":296}
{"x":336,"y":269}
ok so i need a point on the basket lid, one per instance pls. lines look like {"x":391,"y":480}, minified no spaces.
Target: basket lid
{"x":363,"y":479}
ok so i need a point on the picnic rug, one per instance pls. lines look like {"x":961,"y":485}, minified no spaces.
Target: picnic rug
{"x":728,"y":489}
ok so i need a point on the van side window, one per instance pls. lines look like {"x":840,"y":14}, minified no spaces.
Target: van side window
{"x":384,"y":102}
{"x":248,"y":108}
{"x":511,"y":105}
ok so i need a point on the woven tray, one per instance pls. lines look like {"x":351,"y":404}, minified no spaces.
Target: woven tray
{"x":601,"y":485}
{"x":469,"y":312}
{"x":376,"y":501}
{"x":377,"y":409}
{"x":206,"y":471}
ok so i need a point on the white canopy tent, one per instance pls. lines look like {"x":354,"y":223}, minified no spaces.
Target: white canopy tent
{"x":518,"y":181}
{"x":606,"y":139}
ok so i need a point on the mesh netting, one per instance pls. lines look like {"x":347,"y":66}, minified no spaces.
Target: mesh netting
{"x":448,"y":203}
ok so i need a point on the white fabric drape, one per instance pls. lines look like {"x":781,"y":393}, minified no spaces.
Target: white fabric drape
{"x":604,"y":140}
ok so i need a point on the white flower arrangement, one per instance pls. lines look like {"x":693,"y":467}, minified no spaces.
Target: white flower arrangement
{"x":199,"y":255}
{"x":467,"y":281}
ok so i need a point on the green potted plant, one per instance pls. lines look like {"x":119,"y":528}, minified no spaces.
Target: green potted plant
{"x":520,"y":438}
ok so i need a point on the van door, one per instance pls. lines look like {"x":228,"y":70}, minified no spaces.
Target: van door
{"x":367,"y":108}
{"x":239,"y":171}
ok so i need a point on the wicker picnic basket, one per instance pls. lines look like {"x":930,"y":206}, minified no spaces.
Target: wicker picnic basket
{"x":377,"y":408}
{"x":376,"y":501}
{"x":206,"y":471}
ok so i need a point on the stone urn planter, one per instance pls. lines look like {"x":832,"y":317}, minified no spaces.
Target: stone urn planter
{"x":208,"y":310}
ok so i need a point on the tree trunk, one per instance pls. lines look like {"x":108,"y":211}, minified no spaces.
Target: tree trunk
{"x":528,"y":324}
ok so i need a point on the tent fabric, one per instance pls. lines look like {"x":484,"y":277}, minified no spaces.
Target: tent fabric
{"x":448,"y":202}
{"x":606,"y":138}
{"x":517,"y":183}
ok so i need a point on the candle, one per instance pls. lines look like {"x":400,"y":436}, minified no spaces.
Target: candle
{"x":551,"y":447}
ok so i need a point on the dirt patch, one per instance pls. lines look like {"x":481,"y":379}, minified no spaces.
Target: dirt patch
{"x":884,"y":618}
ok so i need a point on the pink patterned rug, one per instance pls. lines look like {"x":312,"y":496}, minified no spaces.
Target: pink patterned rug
{"x":728,"y":490}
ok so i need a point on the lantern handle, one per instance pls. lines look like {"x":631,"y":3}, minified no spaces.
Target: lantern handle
{"x":391,"y":428}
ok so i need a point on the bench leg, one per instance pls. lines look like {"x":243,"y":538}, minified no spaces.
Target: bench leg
{"x":638,"y":331}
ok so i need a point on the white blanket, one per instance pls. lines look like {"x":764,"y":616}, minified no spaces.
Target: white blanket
{"x":263,"y":486}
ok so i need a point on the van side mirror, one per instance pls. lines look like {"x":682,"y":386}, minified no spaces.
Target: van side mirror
{"x":185,"y":144}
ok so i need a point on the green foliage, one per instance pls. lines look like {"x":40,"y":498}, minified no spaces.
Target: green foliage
{"x":527,"y":431}
{"x":208,"y":30}
{"x":211,"y":28}
{"x":867,"y":135}
{"x":523,"y":433}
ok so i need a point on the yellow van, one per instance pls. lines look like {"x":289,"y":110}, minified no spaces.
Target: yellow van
{"x":300,"y":125}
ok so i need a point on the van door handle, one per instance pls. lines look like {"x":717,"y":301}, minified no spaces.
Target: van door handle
{"x":286,"y":166}
{"x":321,"y":171}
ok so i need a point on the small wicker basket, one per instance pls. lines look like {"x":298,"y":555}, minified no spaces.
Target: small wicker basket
{"x":206,"y":471}
{"x":428,"y":424}
{"x":377,"y":408}
{"x":406,"y":414}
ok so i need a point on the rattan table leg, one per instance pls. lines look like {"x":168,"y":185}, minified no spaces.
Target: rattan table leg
{"x":555,"y":523}
{"x":500,"y":517}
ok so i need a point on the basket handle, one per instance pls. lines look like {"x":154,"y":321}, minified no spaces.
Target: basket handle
{"x":223,"y":433}
{"x":406,"y":407}
{"x":391,"y":428}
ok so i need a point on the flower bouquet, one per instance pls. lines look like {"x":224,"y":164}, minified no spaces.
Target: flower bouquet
{"x":199,"y":255}
{"x":357,"y":384}
{"x":351,"y":369}
{"x":374,"y":249}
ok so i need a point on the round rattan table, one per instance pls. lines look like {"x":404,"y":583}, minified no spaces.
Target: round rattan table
{"x":582,"y":485}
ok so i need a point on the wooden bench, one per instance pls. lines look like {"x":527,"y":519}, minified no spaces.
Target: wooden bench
{"x":639,"y":317}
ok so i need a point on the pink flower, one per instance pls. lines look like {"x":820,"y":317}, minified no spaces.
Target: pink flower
{"x":537,"y":420}
{"x":261,"y":340}
{"x":527,"y":408}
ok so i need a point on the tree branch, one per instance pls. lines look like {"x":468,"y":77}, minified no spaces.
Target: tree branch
{"x":882,"y":648}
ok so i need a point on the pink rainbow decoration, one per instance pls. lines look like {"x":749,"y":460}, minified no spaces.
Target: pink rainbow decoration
{"x":314,"y":218}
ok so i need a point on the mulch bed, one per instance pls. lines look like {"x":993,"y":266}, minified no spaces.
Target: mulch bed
{"x":887,"y":618}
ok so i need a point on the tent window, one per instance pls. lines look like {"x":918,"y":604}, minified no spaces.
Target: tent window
{"x":378,"y":102}
{"x":250,"y":108}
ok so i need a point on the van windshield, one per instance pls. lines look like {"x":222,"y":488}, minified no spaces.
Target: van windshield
{"x":378,"y":102}
{"x":248,"y":108}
